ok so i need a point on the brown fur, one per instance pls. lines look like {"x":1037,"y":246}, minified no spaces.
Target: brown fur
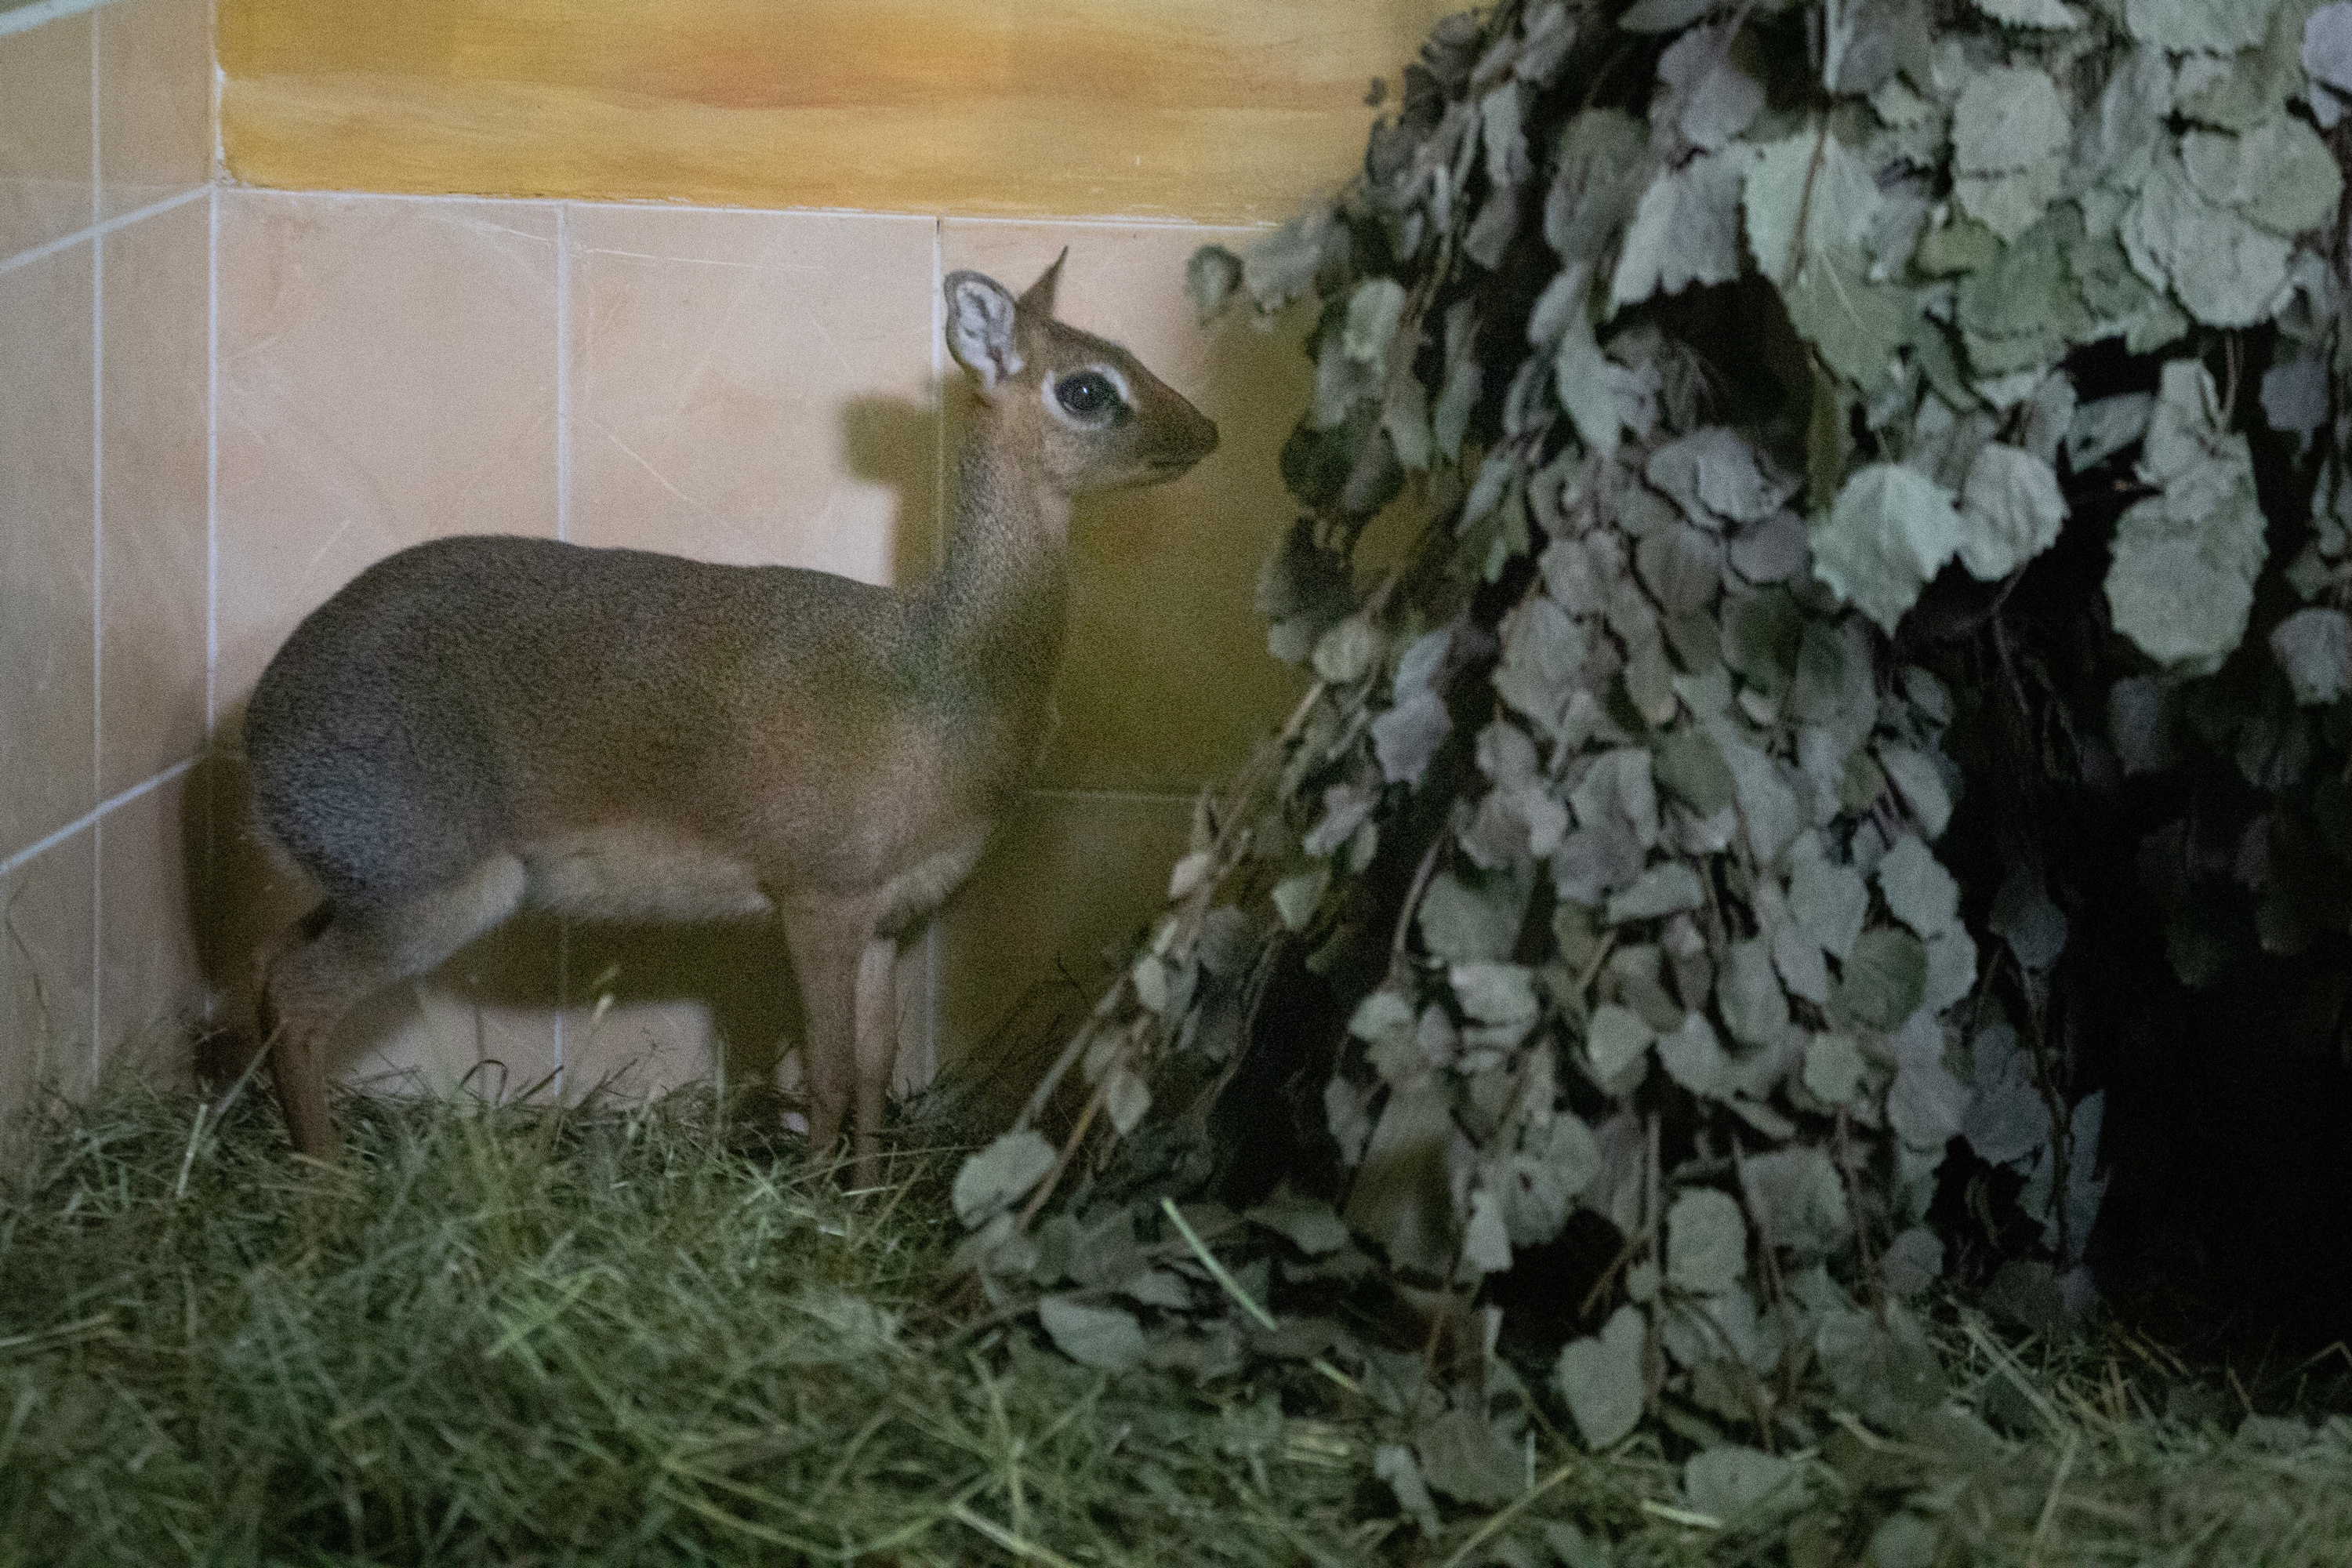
{"x":480,"y":724}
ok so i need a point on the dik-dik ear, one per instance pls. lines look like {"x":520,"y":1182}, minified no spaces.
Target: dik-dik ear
{"x":1039,"y":300}
{"x":980,"y":329}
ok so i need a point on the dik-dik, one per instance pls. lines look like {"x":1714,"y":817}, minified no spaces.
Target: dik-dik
{"x":481,"y":725}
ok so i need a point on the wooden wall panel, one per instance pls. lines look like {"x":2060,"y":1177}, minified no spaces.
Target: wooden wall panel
{"x":1215,"y":110}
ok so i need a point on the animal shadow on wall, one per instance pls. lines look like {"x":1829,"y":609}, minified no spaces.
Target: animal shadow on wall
{"x":494,"y":995}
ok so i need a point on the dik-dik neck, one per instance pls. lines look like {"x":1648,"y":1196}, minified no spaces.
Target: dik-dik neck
{"x":988,"y":625}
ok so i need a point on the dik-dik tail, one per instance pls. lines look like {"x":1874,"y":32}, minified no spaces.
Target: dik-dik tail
{"x":480,"y":724}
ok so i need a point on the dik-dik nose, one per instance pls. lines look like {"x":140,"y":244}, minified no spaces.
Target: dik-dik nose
{"x":1193,"y":438}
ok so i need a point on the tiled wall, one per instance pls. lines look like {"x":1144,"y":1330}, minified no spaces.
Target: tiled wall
{"x":105,"y":283}
{"x":737,"y":385}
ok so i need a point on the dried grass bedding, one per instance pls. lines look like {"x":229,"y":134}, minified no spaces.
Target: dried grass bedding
{"x":648,"y":1336}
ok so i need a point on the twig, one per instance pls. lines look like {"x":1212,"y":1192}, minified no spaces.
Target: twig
{"x":964,"y":1514}
{"x":1860,"y":1217}
{"x":1216,"y":1269}
{"x":1062,"y":1160}
{"x":2050,"y":1504}
{"x":1419,"y":885}
{"x":1518,"y":1505}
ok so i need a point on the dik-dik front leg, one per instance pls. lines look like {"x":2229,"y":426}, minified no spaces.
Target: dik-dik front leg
{"x":846,"y":974}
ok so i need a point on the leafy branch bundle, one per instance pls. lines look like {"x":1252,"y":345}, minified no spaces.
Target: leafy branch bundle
{"x":1577,"y":969}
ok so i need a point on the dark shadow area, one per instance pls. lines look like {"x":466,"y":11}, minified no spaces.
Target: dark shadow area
{"x":891,"y":442}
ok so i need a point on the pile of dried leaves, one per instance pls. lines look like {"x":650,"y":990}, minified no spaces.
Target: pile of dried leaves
{"x":1570,"y":1012}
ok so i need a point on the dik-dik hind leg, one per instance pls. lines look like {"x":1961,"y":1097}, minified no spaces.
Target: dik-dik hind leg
{"x":877,"y":1049}
{"x":310,"y":985}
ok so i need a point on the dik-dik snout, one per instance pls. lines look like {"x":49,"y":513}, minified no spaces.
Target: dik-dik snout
{"x":479,"y":725}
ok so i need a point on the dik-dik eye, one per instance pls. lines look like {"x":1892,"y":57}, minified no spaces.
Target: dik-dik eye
{"x":1089,"y":395}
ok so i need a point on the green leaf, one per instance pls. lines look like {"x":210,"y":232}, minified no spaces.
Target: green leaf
{"x":2314,"y":648}
{"x":1615,"y":1038}
{"x":1715,"y":475}
{"x":1754,"y":1009}
{"x":994,"y":1177}
{"x":1662,"y":890}
{"x":1733,"y":1482}
{"x":1663,"y":17}
{"x":2012,"y":201}
{"x":1394,"y":1463}
{"x":2008,"y":118}
{"x":1834,"y":1067}
{"x":1921,"y":784}
{"x":1686,"y":231}
{"x":1913,"y":1261}
{"x":1602,"y":1379}
{"x":2207,"y":26}
{"x":2181,"y":581}
{"x":1884,"y":1372}
{"x":1383,"y":1018}
{"x":1543,"y":1179}
{"x":1462,"y":1455}
{"x":1925,"y":1105}
{"x":1891,"y":531}
{"x":1296,"y":897}
{"x":1211,"y":276}
{"x":2104,"y":426}
{"x":1811,"y":176}
{"x":2279,"y":173}
{"x":1886,"y":978}
{"x":1373,"y":312}
{"x":1591,"y":388}
{"x":1544,"y":651}
{"x":2013,"y":509}
{"x":1104,"y":1338}
{"x":1706,"y":1242}
{"x":1689,"y":766}
{"x":1348,"y":651}
{"x":1694,"y":1057}
{"x":1401,"y":1198}
{"x":2226,"y":271}
{"x":2326,"y":51}
{"x":1802,"y":969}
{"x":1768,"y":806}
{"x":1308,"y":1224}
{"x":1602,"y":174}
{"x":1282,"y":265}
{"x":1469,"y":916}
{"x":2030,"y":13}
{"x":2034,"y":928}
{"x":1829,"y":902}
{"x":1797,"y":1199}
{"x":1497,"y":992}
{"x":1920,"y":892}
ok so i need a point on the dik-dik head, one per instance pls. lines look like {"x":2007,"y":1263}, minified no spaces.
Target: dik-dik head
{"x":1095,"y":417}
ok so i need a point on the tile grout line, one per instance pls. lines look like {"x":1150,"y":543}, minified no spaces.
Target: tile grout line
{"x":1115,"y":796}
{"x":97,"y":230}
{"x":97,"y":538}
{"x":562,"y":373}
{"x":27,"y":18}
{"x":898,"y":214}
{"x":212,"y":538}
{"x":212,"y":464}
{"x":932,"y":939}
{"x":563,"y":531}
{"x":97,"y":130}
{"x":40,"y":846}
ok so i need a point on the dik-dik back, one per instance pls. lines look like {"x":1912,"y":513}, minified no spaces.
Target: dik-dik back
{"x":482,"y":724}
